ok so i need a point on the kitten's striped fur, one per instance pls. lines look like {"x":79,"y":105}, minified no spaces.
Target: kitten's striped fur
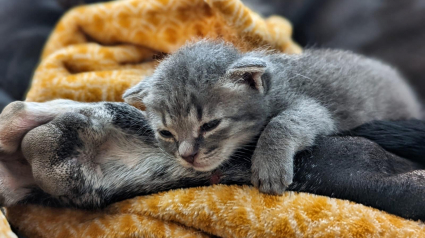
{"x":294,"y":98}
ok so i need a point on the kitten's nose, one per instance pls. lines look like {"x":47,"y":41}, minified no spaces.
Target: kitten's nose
{"x":187,"y":151}
{"x":190,"y":158}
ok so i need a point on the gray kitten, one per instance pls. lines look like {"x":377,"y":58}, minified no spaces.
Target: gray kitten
{"x":208,"y":99}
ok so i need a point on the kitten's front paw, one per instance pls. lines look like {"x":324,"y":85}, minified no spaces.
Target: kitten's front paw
{"x":271,"y":178}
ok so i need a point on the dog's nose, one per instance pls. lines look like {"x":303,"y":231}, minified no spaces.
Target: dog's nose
{"x":190,"y":158}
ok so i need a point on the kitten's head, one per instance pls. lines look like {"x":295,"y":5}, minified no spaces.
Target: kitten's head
{"x":204,"y":102}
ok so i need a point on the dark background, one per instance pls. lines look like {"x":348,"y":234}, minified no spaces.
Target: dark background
{"x":391,"y":30}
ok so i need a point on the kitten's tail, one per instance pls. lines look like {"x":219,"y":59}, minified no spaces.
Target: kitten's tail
{"x":403,"y":138}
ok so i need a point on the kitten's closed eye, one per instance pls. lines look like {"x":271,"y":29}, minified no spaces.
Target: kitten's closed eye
{"x":210,"y":125}
{"x":166,"y":134}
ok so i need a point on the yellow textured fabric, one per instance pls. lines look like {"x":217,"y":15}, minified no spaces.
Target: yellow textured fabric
{"x":224,"y":211}
{"x":128,"y":32}
{"x":98,"y":51}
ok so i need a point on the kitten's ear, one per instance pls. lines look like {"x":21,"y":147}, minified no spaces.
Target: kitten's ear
{"x":248,"y":70}
{"x":135,"y":95}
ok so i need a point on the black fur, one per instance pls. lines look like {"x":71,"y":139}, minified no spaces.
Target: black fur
{"x":359,"y":170}
{"x":69,"y":140}
{"x":130,"y":120}
{"x":403,"y":138}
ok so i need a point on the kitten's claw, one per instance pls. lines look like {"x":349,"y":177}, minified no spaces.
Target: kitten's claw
{"x":271,"y":179}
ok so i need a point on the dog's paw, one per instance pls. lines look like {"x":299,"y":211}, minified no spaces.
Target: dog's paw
{"x":13,"y":126}
{"x":17,"y":120}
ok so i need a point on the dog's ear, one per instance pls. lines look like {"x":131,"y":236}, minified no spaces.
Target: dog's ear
{"x":248,"y":70}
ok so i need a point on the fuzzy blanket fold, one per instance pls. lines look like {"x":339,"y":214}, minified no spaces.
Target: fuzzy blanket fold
{"x":98,"y":51}
{"x":128,"y":32}
{"x":224,"y":211}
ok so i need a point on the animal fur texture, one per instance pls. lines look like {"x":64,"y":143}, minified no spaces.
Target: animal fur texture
{"x":88,"y":155}
{"x":94,"y":54}
{"x":209,"y":99}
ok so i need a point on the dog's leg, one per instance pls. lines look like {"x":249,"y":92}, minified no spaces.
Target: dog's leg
{"x":403,"y":138}
{"x":359,"y":170}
